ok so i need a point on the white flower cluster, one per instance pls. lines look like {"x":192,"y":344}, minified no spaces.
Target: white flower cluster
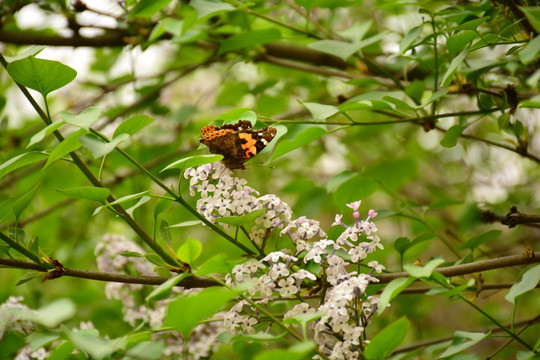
{"x":225,"y":195}
{"x":13,"y":315}
{"x":109,"y":259}
{"x":346,"y":309}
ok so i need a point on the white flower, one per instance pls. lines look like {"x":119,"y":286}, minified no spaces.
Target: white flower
{"x":376,"y":266}
{"x":299,"y":309}
{"x":287,"y":286}
{"x":357,"y":253}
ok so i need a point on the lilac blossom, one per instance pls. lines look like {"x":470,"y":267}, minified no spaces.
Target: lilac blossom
{"x":280,"y":274}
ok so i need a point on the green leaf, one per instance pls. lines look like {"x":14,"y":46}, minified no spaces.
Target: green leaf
{"x":240,"y":220}
{"x":387,"y":340}
{"x":193,"y":161}
{"x":23,"y":202}
{"x":187,"y":223}
{"x":452,"y":135}
{"x":147,"y":8}
{"x":232,"y":93}
{"x":238,"y":114}
{"x":133,"y":125}
{"x":339,"y":179}
{"x":20,"y":161}
{"x":480,"y":239}
{"x":436,"y":96}
{"x":394,"y":173}
{"x":39,"y":339}
{"x":410,"y":38}
{"x":99,"y":147}
{"x":528,"y":282}
{"x":415,"y":90}
{"x":120,"y":201}
{"x":320,"y":112}
{"x":44,"y":132}
{"x":533,"y":15}
{"x":71,"y":143}
{"x":141,"y":201}
{"x":147,"y":350}
{"x":164,"y":230}
{"x":401,"y":245}
{"x":54,"y":313}
{"x":29,"y":276}
{"x":189,"y":251}
{"x":303,"y":138}
{"x":33,"y":51}
{"x":88,"y":340}
{"x":87,"y":192}
{"x":458,"y":42}
{"x":341,"y":49}
{"x":462,"y":341}
{"x":62,"y":351}
{"x":215,"y":265}
{"x":84,"y":120}
{"x":207,"y":7}
{"x":131,"y":254}
{"x":471,"y":24}
{"x":252,"y":38}
{"x":164,"y":290}
{"x":357,"y":30}
{"x":392,"y":290}
{"x":357,"y":187}
{"x":306,"y":4}
{"x":503,"y":121}
{"x":423,"y":271}
{"x":162,"y":205}
{"x":303,"y":319}
{"x":44,"y":76}
{"x":186,"y":312}
{"x":456,"y":61}
{"x":155,"y":259}
{"x":529,"y":52}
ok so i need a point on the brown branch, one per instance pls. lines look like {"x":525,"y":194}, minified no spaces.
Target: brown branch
{"x":188,"y":283}
{"x":110,"y":39}
{"x":507,"y":261}
{"x":304,"y":67}
{"x":488,"y":217}
{"x":116,"y":38}
{"x":514,"y":217}
{"x":305,"y":55}
{"x":471,"y":268}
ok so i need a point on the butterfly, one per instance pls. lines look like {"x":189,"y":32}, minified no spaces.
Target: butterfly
{"x":236,"y":142}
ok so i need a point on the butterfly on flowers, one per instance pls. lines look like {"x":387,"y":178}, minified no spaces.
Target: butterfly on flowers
{"x":236,"y":142}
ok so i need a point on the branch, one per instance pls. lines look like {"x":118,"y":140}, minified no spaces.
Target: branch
{"x":449,"y":271}
{"x":464,"y":269}
{"x":112,"y":38}
{"x":514,"y":217}
{"x":188,"y":283}
{"x":116,"y":38}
